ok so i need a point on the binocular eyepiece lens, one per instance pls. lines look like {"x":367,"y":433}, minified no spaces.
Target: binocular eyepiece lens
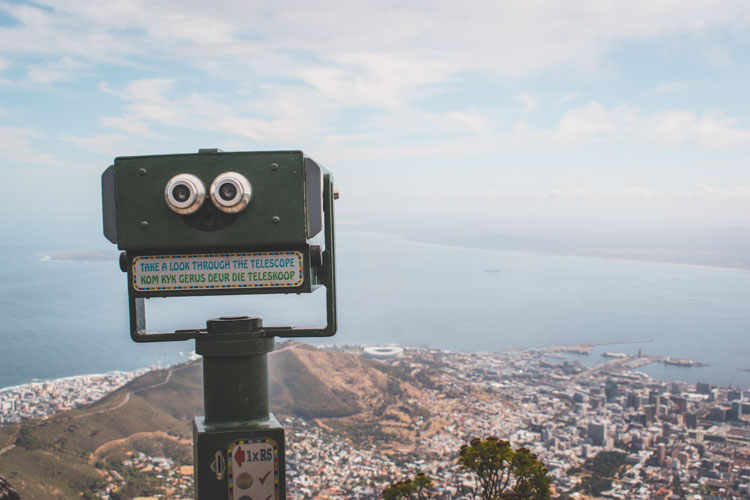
{"x":181,"y":193}
{"x":228,"y":191}
{"x":231,"y":192}
{"x":185,"y":194}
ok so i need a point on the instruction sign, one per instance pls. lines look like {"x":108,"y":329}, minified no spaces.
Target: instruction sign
{"x":253,"y":469}
{"x":212,"y":271}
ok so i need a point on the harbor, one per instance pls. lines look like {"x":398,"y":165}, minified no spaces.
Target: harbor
{"x":631,"y":361}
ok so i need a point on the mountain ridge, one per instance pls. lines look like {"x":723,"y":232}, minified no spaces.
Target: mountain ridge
{"x":78,"y":452}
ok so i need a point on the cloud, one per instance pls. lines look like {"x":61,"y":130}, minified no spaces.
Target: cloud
{"x":711,"y":129}
{"x":639,"y":193}
{"x":573,"y":192}
{"x":499,"y":38}
{"x":147,"y":89}
{"x":130,"y":124}
{"x":151,"y":105}
{"x":65,"y":69}
{"x":704,"y":192}
{"x":675,"y":86}
{"x":644,"y":193}
{"x":595,"y":122}
{"x":57,"y":31}
{"x":590,"y":122}
{"x":146,"y":103}
{"x":528,"y":101}
{"x":472,"y":121}
{"x":570,"y":97}
{"x":104,"y":143}
{"x":4,"y":65}
{"x":323,"y":75}
{"x":16,"y":146}
{"x":286,"y":114}
{"x":718,"y":57}
{"x":375,"y":79}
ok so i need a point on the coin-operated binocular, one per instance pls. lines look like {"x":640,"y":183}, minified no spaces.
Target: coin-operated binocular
{"x":217,"y":223}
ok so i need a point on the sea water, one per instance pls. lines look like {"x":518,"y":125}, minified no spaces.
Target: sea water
{"x":62,"y":318}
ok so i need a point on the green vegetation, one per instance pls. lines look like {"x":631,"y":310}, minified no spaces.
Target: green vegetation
{"x":393,"y":387}
{"x":504,"y":473}
{"x":415,"y":488}
{"x":28,"y":439}
{"x":8,"y":435}
{"x":426,"y":378}
{"x":598,"y":472}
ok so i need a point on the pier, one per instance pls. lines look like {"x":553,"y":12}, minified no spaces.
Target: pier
{"x":586,"y":348}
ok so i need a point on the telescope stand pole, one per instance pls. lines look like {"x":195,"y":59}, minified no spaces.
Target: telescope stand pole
{"x":238,"y":446}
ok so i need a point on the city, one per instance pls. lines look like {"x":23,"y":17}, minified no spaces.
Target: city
{"x":675,"y":438}
{"x":668,"y":438}
{"x":39,"y":399}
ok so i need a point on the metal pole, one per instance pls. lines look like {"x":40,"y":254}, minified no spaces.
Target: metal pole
{"x":238,"y":447}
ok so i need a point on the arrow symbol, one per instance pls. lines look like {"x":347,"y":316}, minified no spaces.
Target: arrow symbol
{"x":239,"y":456}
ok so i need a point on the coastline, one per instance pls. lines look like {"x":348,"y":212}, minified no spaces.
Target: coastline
{"x":41,"y":398}
{"x":80,"y":256}
{"x":575,"y":255}
{"x":110,"y":256}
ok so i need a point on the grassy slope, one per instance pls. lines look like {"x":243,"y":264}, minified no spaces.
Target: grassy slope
{"x":296,"y":390}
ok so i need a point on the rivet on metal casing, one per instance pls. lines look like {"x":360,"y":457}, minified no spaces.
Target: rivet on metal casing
{"x":275,"y":219}
{"x":274,"y":166}
{"x":142,"y":172}
{"x":144,"y":224}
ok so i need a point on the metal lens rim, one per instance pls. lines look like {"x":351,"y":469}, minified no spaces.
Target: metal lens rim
{"x":193,"y":202}
{"x":241,"y":199}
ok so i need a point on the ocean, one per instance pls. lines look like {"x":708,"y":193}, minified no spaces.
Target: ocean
{"x":68,"y":317}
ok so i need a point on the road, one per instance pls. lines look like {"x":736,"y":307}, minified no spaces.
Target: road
{"x":125,"y":400}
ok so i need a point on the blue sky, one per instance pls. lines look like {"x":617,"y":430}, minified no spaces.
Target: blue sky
{"x":538,"y":115}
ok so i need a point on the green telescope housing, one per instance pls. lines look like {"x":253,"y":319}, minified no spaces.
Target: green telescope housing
{"x":221,"y":223}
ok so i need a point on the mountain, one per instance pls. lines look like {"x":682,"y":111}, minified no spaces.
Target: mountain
{"x":74,"y":453}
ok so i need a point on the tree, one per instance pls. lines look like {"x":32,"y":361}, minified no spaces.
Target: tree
{"x":504,"y":473}
{"x":419,"y":486}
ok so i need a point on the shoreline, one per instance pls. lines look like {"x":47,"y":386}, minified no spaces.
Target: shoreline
{"x":192,"y":356}
{"x":40,"y":399}
{"x":71,"y":378}
{"x":576,"y":255}
{"x":86,"y":389}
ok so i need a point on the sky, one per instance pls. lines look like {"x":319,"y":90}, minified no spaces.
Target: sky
{"x":528,"y":117}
